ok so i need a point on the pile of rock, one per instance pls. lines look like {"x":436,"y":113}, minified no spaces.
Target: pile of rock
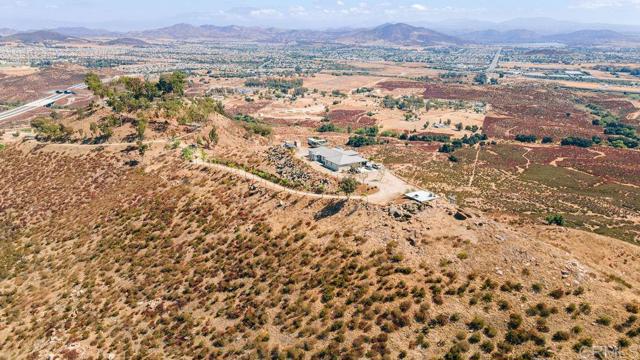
{"x":406,"y":211}
{"x":287,"y":167}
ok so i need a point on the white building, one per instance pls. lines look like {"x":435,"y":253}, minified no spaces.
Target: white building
{"x":337,"y":159}
{"x":421,"y":196}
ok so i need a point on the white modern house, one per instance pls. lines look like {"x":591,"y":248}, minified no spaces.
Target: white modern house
{"x":337,"y":159}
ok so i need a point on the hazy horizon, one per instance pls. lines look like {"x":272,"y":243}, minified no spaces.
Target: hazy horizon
{"x":309,"y":14}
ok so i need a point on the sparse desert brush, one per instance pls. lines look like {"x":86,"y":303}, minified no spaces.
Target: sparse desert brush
{"x":253,"y":273}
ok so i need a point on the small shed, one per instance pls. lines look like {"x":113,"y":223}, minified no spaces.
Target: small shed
{"x":422,"y":197}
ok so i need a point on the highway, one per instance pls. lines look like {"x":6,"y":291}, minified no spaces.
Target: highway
{"x":494,"y":63}
{"x":9,"y":114}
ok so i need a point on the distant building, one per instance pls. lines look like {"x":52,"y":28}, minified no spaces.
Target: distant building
{"x":315,"y":142}
{"x":337,"y":159}
{"x":290,"y":144}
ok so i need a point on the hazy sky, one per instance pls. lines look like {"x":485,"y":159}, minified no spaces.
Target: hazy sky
{"x":300,"y":13}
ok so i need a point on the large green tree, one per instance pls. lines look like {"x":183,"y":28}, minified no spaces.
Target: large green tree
{"x":94,"y":83}
{"x":348,"y":185}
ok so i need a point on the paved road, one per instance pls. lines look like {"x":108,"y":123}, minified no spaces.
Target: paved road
{"x":494,"y":63}
{"x":37,"y":104}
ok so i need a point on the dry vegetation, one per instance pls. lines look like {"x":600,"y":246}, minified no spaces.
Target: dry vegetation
{"x":181,"y":261}
{"x":110,"y":251}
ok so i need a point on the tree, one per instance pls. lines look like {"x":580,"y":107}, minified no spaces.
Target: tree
{"x":50,"y":130}
{"x":459,"y":126}
{"x":80,"y":113}
{"x":526,"y":138}
{"x":447,"y":148}
{"x":173,"y":83}
{"x":329,"y":127}
{"x":93,"y":127}
{"x":359,"y":141}
{"x":480,"y":79}
{"x":142,"y":148}
{"x":348,"y":185}
{"x":213,"y":137}
{"x":576,"y":141}
{"x":141,"y":126}
{"x":94,"y":83}
{"x":555,"y":219}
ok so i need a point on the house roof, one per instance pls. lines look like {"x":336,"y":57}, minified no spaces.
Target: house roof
{"x":338,"y":156}
{"x":421,"y":196}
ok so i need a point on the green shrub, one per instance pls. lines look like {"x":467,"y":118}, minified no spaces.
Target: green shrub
{"x":561,"y":336}
{"x":328,"y":128}
{"x":557,"y":294}
{"x":360,"y":141}
{"x":187,"y":153}
{"x":487,"y":346}
{"x":604,"y":320}
{"x":526,"y":138}
{"x":476,"y":324}
{"x":555,"y":219}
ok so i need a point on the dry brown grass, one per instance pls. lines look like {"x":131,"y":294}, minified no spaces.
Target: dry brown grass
{"x":186,"y":262}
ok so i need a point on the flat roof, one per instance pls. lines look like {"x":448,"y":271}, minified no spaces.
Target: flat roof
{"x":421,"y":196}
{"x":338,"y":156}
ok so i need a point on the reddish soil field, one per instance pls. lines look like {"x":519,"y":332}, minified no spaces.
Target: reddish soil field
{"x":615,"y":105}
{"x":427,"y":133}
{"x":33,"y":86}
{"x":508,"y":128}
{"x":619,"y":165}
{"x":354,"y":118}
{"x":290,"y":122}
{"x":247,"y":108}
{"x":393,"y":85}
{"x":524,"y":109}
{"x":503,"y":157}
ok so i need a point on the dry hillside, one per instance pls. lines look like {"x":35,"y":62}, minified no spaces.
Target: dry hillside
{"x":174,"y":260}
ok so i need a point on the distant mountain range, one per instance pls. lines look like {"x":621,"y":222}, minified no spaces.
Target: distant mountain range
{"x":540,"y":25}
{"x":387,"y":34}
{"x":581,"y":37}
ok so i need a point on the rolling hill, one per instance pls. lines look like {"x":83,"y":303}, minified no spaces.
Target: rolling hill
{"x":83,"y":32}
{"x":501,"y":37}
{"x":127,"y":42}
{"x":590,"y":37}
{"x":399,"y":34}
{"x":38,"y":37}
{"x":7,"y":31}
